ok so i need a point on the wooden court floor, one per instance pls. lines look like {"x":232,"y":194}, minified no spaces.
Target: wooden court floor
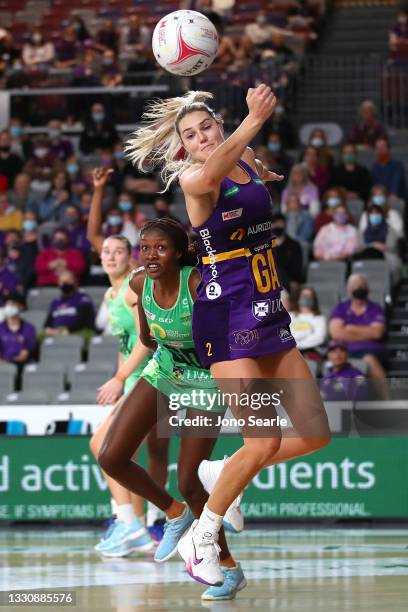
{"x":291,"y":570}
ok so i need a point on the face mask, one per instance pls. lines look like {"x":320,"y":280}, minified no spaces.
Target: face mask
{"x":125,"y":206}
{"x":15,"y":131}
{"x":115,"y":220}
{"x":333,"y":202}
{"x":340,"y":218}
{"x":17,"y":68}
{"x":11,"y":311}
{"x":349,"y":158}
{"x":261,"y":19}
{"x":60,"y":244}
{"x":402,"y":19}
{"x":98,"y":117}
{"x":107,"y":61}
{"x":54,"y":133}
{"x":279,"y":110}
{"x":307,"y":301}
{"x":317,"y":142}
{"x":67,"y":288}
{"x":360,"y":293}
{"x":40,"y":152}
{"x":29,"y":225}
{"x":37,"y":38}
{"x":72,"y":168}
{"x":274,"y":147}
{"x":375,"y":219}
{"x":278,"y":231}
{"x":379,"y":199}
{"x":5,"y":148}
{"x":119,"y":155}
{"x":70,"y":220}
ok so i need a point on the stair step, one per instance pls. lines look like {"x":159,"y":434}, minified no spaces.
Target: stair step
{"x":397,"y":339}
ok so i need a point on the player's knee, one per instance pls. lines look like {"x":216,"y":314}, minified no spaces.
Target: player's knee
{"x":108,"y":461}
{"x":94,"y":446}
{"x":266,"y":451}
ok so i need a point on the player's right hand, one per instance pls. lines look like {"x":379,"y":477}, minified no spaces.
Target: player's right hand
{"x":100,"y":176}
{"x":261,"y":102}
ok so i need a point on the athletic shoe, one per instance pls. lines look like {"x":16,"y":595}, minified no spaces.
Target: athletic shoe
{"x":157,"y":530}
{"x":141,"y":543}
{"x":110,"y":537}
{"x":122,"y":533}
{"x":201,"y":556}
{"x":208,"y":473}
{"x":174,"y":529}
{"x":234,"y":581}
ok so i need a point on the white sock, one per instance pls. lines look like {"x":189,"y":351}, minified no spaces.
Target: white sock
{"x":153,"y":513}
{"x":114,"y":507}
{"x":208,"y":522}
{"x":126,"y":513}
{"x":142,"y":519}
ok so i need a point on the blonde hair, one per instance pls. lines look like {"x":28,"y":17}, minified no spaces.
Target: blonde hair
{"x":157,"y":141}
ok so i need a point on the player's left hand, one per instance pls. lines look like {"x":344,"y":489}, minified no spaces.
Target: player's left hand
{"x":272,"y":176}
{"x":110,"y":392}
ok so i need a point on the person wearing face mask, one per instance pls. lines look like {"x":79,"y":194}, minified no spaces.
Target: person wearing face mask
{"x":318,"y":140}
{"x":162,"y":208}
{"x":9,"y":279}
{"x":21,"y":196}
{"x":278,"y":160}
{"x":67,"y":49}
{"x":127,"y":207}
{"x":280,"y":123}
{"x":360,"y":324}
{"x":72,"y":312}
{"x":38,"y":53}
{"x":61,"y":148}
{"x":111,"y":76}
{"x":299,"y":223}
{"x":10,"y":163}
{"x":379,"y":197}
{"x":57,"y":258}
{"x":289,"y":254}
{"x":76,"y":230}
{"x":99,"y":132}
{"x":10,"y":217}
{"x":332,"y":198}
{"x":337,"y":240}
{"x":52,"y":207}
{"x":300,"y":183}
{"x":17,"y":337}
{"x":308,"y":325}
{"x":42,"y":166}
{"x":388,"y":172}
{"x":353,"y":177}
{"x":319,"y":172}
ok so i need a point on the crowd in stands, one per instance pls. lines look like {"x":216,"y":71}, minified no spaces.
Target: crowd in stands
{"x":329,"y":208}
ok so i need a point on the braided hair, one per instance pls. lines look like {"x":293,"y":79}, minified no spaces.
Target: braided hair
{"x":177,"y":234}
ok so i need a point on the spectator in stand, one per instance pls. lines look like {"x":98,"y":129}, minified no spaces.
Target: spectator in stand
{"x":318,"y":140}
{"x":261,"y":31}
{"x":17,"y":337}
{"x":289,"y":255}
{"x":379,"y":197}
{"x":107,"y":37}
{"x":76,"y":229}
{"x":398,"y":36}
{"x":52,"y":207}
{"x":9,"y":50}
{"x":389,"y":173}
{"x":42,"y":166}
{"x":9,"y":281}
{"x":21,"y":143}
{"x":71,"y":313}
{"x":24,"y":253}
{"x":85,"y":206}
{"x":57,"y":258}
{"x":38,"y":53}
{"x":299,"y":223}
{"x":21,"y":195}
{"x":368,"y":130}
{"x":338,"y":240}
{"x":68,"y":49}
{"x":355,"y":179}
{"x":77,"y":179}
{"x":341,"y":381}
{"x":141,"y":183}
{"x":99,"y":132}
{"x":331,"y":199}
{"x":360,"y":324}
{"x":60,"y":148}
{"x":228,"y":52}
{"x":86,"y":73}
{"x":308,"y":325}
{"x":319,"y":173}
{"x":10,"y":217}
{"x":78,"y":25}
{"x":134,"y":39}
{"x":278,"y":161}
{"x":111,"y":76}
{"x":281,"y":124}
{"x":162,"y":207}
{"x":299,"y":182}
{"x":379,"y":241}
{"x":10,"y":163}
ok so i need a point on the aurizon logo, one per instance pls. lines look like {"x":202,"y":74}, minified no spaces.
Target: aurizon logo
{"x":239,"y":234}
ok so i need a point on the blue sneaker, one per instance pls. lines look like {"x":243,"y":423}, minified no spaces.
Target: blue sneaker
{"x":110,"y":537}
{"x":234,"y":581}
{"x":174,"y":529}
{"x":129,"y":545}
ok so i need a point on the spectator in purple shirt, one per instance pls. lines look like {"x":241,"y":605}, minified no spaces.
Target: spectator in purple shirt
{"x":61,"y":148}
{"x":17,"y":337}
{"x":9,"y":280}
{"x":76,"y":230}
{"x":360,"y":324}
{"x":341,"y":381}
{"x":73,"y":312}
{"x":67,"y":48}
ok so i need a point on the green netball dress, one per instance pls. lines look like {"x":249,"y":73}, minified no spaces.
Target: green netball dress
{"x":175,"y":367}
{"x":122,"y":322}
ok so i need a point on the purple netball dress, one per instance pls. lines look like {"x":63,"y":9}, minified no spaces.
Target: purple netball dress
{"x":238,"y":312}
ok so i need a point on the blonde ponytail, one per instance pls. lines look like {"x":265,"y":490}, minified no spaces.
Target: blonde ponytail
{"x":157,"y":141}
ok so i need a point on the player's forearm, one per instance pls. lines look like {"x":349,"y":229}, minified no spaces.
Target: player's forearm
{"x":134,"y":360}
{"x":224,"y":158}
{"x":94,"y":228}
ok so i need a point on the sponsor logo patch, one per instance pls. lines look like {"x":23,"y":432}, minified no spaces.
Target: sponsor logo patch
{"x":150,"y":315}
{"x":213,"y":290}
{"x":285,"y":335}
{"x":244,"y":339}
{"x":231,"y":214}
{"x":231,"y":192}
{"x":261,"y":309}
{"x":239,"y":234}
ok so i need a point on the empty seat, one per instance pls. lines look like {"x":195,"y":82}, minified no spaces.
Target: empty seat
{"x":103,"y":348}
{"x":77,"y":341}
{"x":326,"y":272}
{"x":28,"y":398}
{"x":8,"y":373}
{"x":61,"y":351}
{"x":42,"y":379}
{"x":95,"y":369}
{"x":37,"y":318}
{"x":89,"y":378}
{"x":81,"y":396}
{"x":95,"y":292}
{"x":356,"y":208}
{"x":376,"y":271}
{"x":40,"y":299}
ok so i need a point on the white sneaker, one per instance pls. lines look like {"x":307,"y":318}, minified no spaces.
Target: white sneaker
{"x":208,"y":473}
{"x":200,"y":554}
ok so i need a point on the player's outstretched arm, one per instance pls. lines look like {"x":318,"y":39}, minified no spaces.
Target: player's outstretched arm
{"x":94,"y":234}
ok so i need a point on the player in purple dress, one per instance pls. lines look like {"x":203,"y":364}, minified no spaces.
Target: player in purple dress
{"x":240,"y":326}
